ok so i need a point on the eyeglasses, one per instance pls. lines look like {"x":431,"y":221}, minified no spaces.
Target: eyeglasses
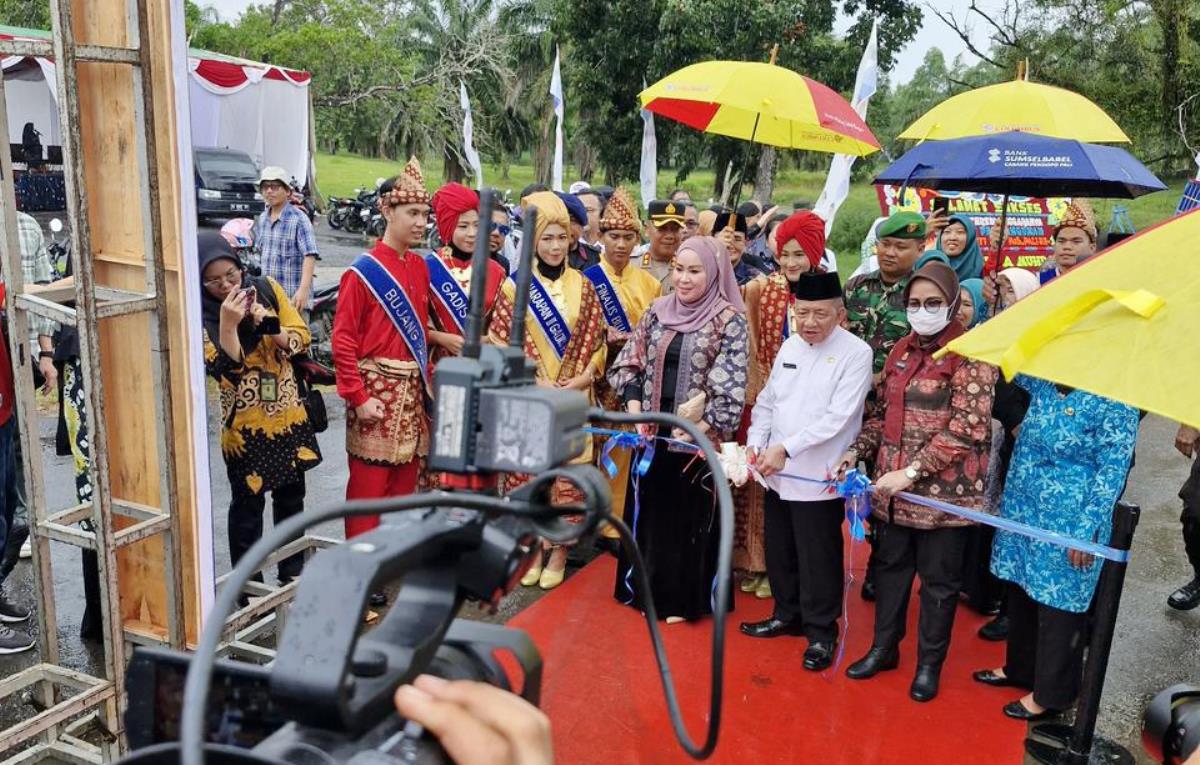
{"x":232,"y":276}
{"x":932,"y":305}
{"x":500,"y":228}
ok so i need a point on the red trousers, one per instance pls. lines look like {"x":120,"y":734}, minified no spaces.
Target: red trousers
{"x":369,"y":481}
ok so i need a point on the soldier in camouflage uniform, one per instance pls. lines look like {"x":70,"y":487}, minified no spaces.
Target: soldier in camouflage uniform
{"x":875,"y":310}
{"x":875,"y":301}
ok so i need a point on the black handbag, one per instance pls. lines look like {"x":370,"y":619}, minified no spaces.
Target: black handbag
{"x":309,"y":372}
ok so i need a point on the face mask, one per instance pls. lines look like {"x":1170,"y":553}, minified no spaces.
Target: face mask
{"x":925,"y":323}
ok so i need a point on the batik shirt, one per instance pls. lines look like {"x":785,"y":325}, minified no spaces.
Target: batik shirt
{"x":712,"y":361}
{"x":1068,"y":470}
{"x":875,"y":312}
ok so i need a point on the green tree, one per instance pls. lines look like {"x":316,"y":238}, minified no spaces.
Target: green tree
{"x":31,"y":14}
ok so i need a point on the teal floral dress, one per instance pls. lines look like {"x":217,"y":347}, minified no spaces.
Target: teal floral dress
{"x":1068,"y":470}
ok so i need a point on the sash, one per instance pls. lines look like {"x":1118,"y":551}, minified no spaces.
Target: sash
{"x":548,"y":318}
{"x":449,"y":292}
{"x":397,"y":306}
{"x":614,"y":312}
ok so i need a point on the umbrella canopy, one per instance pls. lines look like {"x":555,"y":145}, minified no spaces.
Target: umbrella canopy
{"x":1017,"y":105}
{"x":1023,"y":163}
{"x":763,"y":103}
{"x":1118,"y":325}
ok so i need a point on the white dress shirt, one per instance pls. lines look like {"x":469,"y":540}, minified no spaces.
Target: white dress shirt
{"x":812,"y":405}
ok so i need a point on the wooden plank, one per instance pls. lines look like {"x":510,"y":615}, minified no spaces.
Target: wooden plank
{"x":113,"y":189}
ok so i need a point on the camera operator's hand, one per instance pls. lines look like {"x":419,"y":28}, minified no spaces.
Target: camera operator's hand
{"x":477,"y":723}
{"x":258,"y":312}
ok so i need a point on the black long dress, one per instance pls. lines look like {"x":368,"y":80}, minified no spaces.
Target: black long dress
{"x":673,"y":513}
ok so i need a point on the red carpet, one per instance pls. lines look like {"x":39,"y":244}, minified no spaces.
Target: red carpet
{"x":605,"y":700}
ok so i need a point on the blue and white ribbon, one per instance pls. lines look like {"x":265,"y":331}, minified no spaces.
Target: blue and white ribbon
{"x":856,"y":486}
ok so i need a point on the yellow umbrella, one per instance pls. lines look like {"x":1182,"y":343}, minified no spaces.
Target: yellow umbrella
{"x":1017,"y":105}
{"x":761,"y":103}
{"x":1119,"y":325}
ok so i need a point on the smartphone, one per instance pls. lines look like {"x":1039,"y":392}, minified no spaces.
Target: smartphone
{"x":269,"y":326}
{"x":941,"y":206}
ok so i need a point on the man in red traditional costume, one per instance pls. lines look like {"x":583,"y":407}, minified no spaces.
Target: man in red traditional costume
{"x":380,"y":351}
{"x":456,"y":213}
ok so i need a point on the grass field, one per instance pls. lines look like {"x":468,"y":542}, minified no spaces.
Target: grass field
{"x":338,"y":175}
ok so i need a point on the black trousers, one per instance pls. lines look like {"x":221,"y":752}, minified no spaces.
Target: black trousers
{"x":1045,"y":649}
{"x":246,"y":523}
{"x":937,"y":556}
{"x":805,"y":564}
{"x":1190,"y":494}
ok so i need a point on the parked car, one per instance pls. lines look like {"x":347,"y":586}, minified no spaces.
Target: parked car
{"x":226,"y":184}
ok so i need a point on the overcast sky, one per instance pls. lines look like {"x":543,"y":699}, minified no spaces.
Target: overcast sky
{"x":933,"y":34}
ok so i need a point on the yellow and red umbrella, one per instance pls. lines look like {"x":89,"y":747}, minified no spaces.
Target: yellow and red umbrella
{"x":761,"y":103}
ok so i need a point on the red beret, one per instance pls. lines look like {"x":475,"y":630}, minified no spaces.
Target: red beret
{"x":808,"y":229}
{"x":451,"y":201}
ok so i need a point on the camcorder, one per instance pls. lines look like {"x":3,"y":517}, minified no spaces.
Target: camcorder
{"x":1171,"y":724}
{"x":328,"y":695}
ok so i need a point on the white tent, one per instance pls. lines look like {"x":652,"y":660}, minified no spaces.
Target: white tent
{"x":237,"y":104}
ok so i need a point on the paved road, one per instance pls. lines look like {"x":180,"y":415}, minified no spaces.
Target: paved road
{"x":1154,"y":647}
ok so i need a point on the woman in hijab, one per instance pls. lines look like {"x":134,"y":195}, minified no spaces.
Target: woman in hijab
{"x":251,"y":333}
{"x":456,"y":211}
{"x":929,"y":436}
{"x":689,"y":355}
{"x":959,"y":242}
{"x":565,"y":339}
{"x":984,"y":592}
{"x":972,"y":309}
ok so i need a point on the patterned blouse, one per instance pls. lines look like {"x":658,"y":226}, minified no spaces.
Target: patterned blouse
{"x":1067,"y":473}
{"x":713,"y":361}
{"x":937,"y":414}
{"x":266,"y":438}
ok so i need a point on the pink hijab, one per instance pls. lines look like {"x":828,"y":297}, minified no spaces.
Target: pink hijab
{"x":720,"y":292}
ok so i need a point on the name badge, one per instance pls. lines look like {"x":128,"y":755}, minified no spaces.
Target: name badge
{"x":788,"y":366}
{"x":268,"y":388}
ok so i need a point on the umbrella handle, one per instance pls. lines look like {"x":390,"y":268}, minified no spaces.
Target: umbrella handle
{"x":1016,"y":356}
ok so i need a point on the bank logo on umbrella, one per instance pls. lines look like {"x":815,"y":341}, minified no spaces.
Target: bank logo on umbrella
{"x":994,"y":155}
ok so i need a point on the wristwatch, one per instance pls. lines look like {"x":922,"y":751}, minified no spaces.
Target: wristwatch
{"x":911,"y":472}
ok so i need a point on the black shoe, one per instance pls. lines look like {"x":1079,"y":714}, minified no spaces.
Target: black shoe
{"x":769,"y":628}
{"x":989,"y":677}
{"x":12,"y":641}
{"x":925,"y":684}
{"x":1186,"y":597}
{"x":819,"y":656}
{"x":996,"y":630}
{"x":868,"y":591}
{"x":11,"y":613}
{"x":877,"y":660}
{"x":1017,"y":711}
{"x":378,"y":600}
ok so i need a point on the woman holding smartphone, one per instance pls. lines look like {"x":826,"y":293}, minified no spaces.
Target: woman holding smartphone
{"x":251,"y":333}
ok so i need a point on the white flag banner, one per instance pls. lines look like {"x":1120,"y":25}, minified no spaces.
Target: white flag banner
{"x":649,"y":169}
{"x":556,"y":95}
{"x":837,"y":183}
{"x":468,"y":130}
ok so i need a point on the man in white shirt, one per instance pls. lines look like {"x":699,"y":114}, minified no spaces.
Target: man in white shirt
{"x":807,"y":415}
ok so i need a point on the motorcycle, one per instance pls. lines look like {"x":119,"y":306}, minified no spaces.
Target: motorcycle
{"x":339,"y":209}
{"x":301,"y":200}
{"x":320,"y":323}
{"x":59,"y":250}
{"x":239,"y":232}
